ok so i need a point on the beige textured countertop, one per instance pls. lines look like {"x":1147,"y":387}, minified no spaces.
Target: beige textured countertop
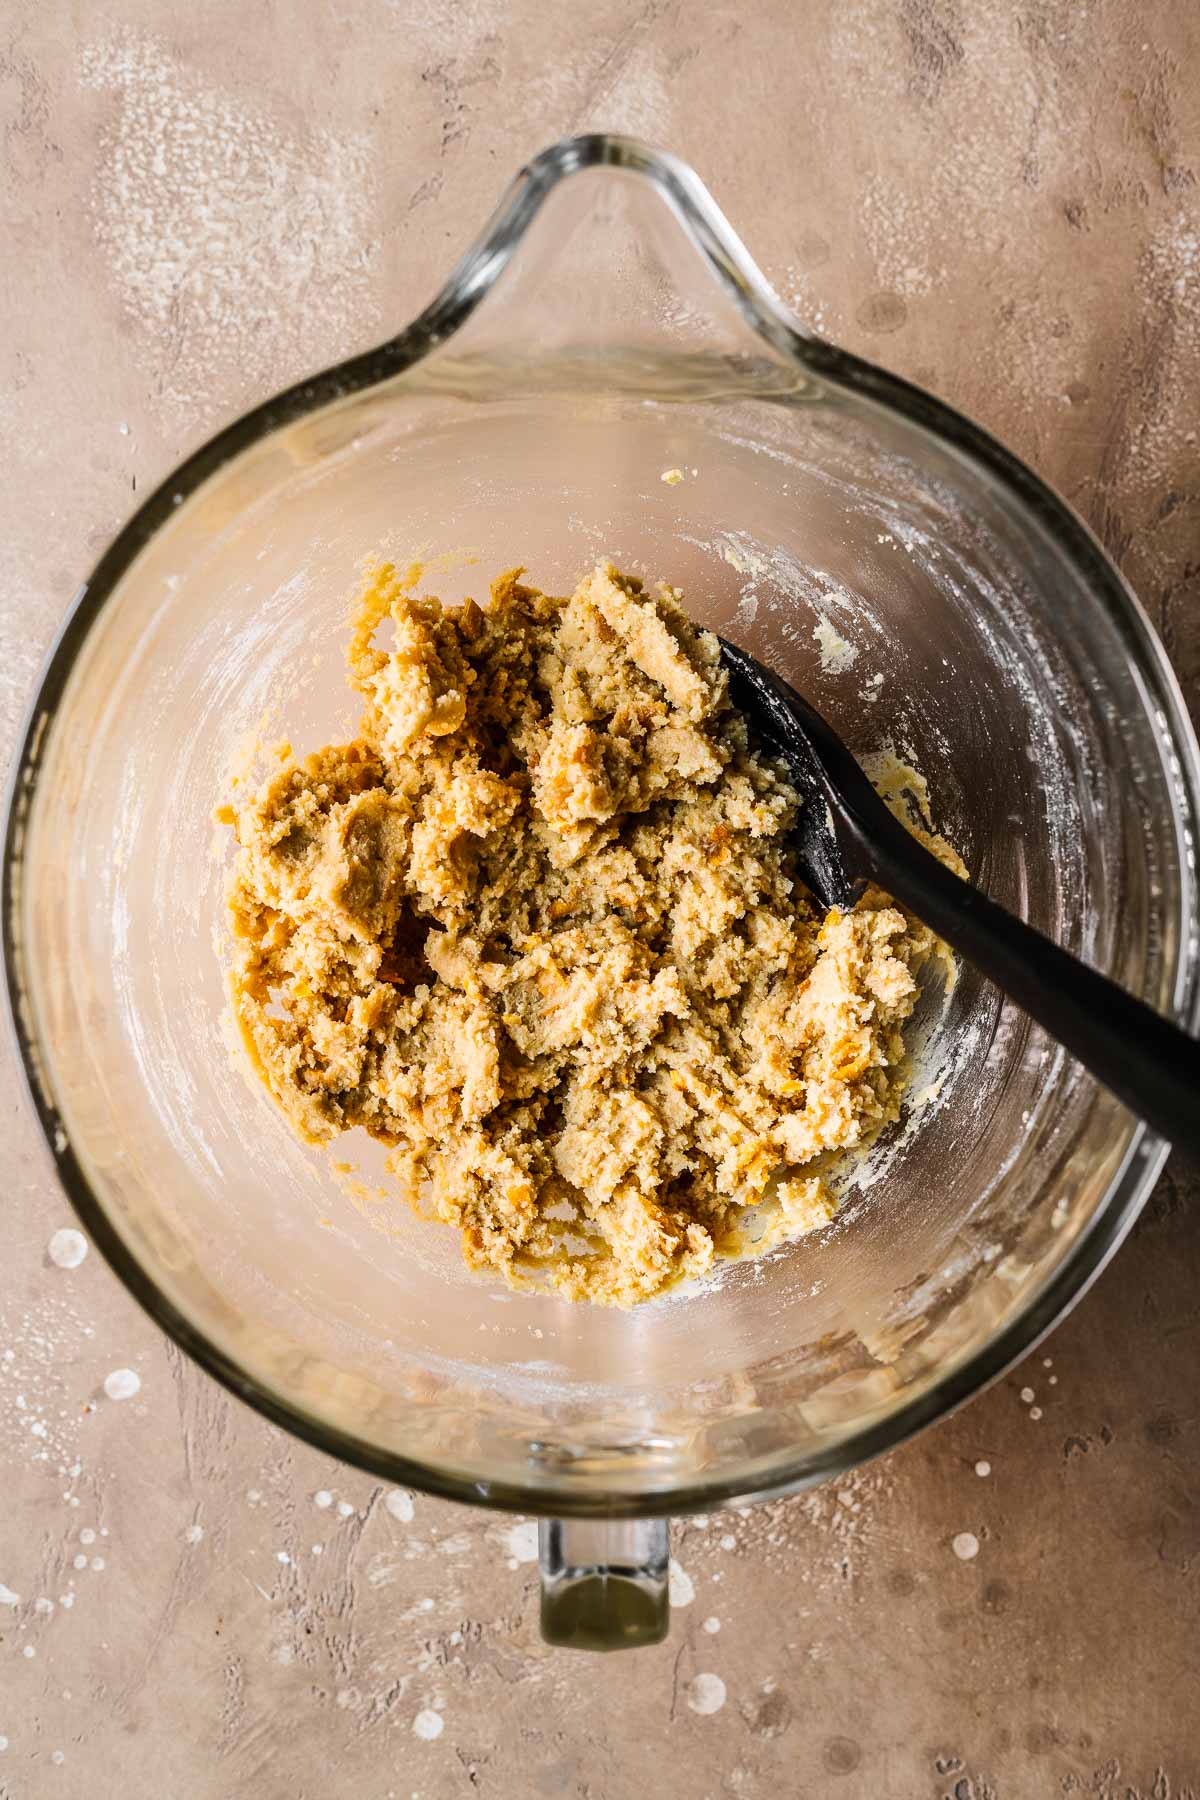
{"x":202,"y":202}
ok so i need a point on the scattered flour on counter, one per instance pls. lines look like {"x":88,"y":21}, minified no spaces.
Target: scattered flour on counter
{"x":842,"y":1525}
{"x":983,"y":1469}
{"x":67,"y":1248}
{"x":428,"y":1724}
{"x":965,"y":1546}
{"x":194,"y":1534}
{"x":399,"y":1504}
{"x":706,"y":1694}
{"x":712,"y":1625}
{"x":222,"y":229}
{"x":40,"y":1412}
{"x":122,"y":1384}
{"x":322,"y":1498}
{"x":7,"y":1597}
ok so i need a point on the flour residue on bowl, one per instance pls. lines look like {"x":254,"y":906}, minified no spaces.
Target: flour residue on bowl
{"x":837,"y":653}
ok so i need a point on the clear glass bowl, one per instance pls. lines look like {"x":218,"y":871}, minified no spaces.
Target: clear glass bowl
{"x":607,"y":327}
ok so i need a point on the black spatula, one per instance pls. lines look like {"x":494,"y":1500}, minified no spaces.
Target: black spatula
{"x":846,"y":836}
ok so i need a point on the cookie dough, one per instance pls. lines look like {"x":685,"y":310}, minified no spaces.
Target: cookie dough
{"x":538,"y":930}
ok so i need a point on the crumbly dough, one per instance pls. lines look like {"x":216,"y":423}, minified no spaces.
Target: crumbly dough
{"x":537,"y":929}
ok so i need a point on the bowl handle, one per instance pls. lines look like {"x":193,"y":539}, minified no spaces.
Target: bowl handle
{"x":604,"y":1582}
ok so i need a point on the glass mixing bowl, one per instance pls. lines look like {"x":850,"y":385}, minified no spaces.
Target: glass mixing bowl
{"x":606,"y":328}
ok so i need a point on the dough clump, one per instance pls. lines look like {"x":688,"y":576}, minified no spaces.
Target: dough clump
{"x":538,"y":929}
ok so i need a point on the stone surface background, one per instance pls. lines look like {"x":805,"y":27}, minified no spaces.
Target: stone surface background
{"x":200,"y":203}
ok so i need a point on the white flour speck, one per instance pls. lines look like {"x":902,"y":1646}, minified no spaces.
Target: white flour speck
{"x":281,"y":1556}
{"x":29,"y":1651}
{"x":98,"y":1563}
{"x":729,"y":1542}
{"x":399,"y":1504}
{"x":7,"y":1597}
{"x":706,"y":1694}
{"x":521,"y":1541}
{"x":345,"y":1510}
{"x":1035,"y":1413}
{"x":3,"y":1745}
{"x":983,"y":1468}
{"x":80,"y":1561}
{"x":57,"y":1756}
{"x":965,"y":1546}
{"x":680,"y":1586}
{"x":43,"y":1605}
{"x":318,"y":1549}
{"x":122,"y":1384}
{"x":67,"y":1248}
{"x":193,"y":1534}
{"x":87,"y":1535}
{"x":1027,"y":1395}
{"x":322,"y":1497}
{"x":428,"y":1724}
{"x":712,"y":1625}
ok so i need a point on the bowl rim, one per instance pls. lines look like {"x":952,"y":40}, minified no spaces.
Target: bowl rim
{"x":469,"y":282}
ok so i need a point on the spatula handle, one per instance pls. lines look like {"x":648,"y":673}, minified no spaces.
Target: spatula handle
{"x":1150,"y":1064}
